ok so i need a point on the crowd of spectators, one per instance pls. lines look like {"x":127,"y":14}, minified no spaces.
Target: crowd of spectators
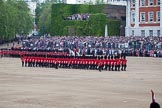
{"x":91,"y":45}
{"x":78,"y":17}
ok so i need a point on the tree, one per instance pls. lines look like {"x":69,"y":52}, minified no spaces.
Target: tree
{"x":44,"y":17}
{"x":14,"y":19}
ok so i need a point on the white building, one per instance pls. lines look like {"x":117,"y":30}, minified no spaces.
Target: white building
{"x":113,"y":2}
{"x":144,"y":18}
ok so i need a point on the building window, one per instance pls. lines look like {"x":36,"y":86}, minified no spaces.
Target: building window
{"x":151,"y":2}
{"x":158,"y":2}
{"x":133,"y":17}
{"x":158,"y":33}
{"x":150,"y":32}
{"x":142,"y":2}
{"x":142,"y":17}
{"x":158,"y":16}
{"x":133,"y":3}
{"x":150,"y":15}
{"x":142,"y":32}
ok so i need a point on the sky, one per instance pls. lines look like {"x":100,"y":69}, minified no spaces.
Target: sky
{"x":71,"y":1}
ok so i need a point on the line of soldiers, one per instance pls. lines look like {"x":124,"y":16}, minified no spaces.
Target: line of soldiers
{"x":17,"y":53}
{"x":111,"y":63}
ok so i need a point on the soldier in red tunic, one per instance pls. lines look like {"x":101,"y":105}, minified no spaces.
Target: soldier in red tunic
{"x":118,"y":63}
{"x":56,"y":63}
{"x":112,"y":63}
{"x":100,"y":64}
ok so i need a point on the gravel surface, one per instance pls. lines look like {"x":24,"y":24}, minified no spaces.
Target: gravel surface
{"x":28,"y":87}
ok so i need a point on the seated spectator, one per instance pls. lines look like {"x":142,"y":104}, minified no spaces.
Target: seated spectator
{"x":78,"y":17}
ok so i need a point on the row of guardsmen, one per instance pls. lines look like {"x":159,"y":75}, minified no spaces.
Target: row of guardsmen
{"x":17,"y":53}
{"x":111,"y":63}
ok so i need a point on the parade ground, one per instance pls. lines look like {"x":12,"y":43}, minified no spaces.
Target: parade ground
{"x":29,"y":87}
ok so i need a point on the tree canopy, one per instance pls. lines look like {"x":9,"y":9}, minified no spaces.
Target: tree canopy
{"x":15,"y":18}
{"x":43,"y":17}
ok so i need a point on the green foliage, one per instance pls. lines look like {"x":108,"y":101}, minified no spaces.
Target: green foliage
{"x":14,"y":19}
{"x":114,"y":27}
{"x":38,"y":12}
{"x":44,"y":17}
{"x":94,"y":26}
{"x":97,"y":24}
